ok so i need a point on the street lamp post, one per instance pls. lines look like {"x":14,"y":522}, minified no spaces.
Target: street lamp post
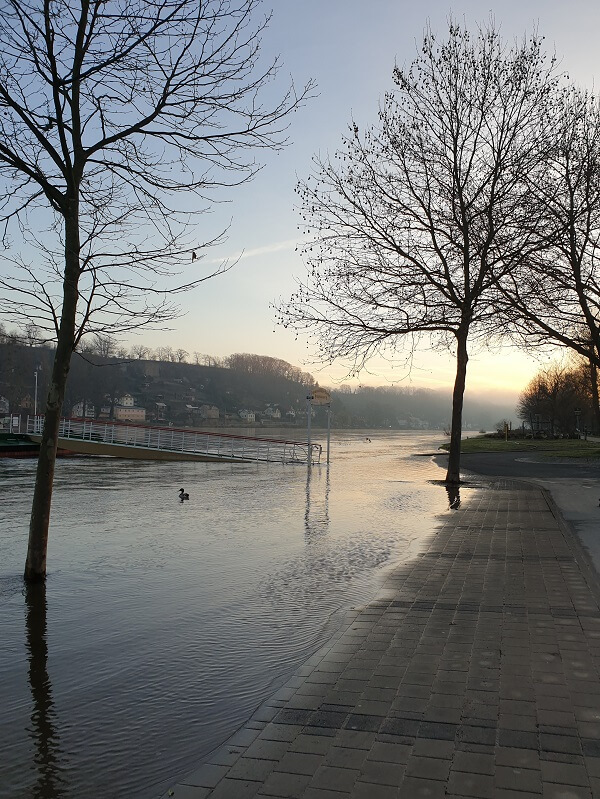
{"x":35,"y":393}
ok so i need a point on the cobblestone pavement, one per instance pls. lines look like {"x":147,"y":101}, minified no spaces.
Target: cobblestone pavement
{"x":474,"y":674}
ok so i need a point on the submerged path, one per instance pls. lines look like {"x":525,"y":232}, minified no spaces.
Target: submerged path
{"x":474,"y":674}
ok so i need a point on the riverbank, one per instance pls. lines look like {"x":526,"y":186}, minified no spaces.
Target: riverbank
{"x":474,"y":673}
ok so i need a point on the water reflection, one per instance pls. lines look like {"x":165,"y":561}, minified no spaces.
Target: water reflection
{"x":207,"y":605}
{"x":50,"y":782}
{"x":316,"y":515}
{"x":453,"y":492}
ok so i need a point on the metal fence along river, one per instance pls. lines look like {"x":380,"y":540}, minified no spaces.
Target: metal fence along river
{"x":168,"y":443}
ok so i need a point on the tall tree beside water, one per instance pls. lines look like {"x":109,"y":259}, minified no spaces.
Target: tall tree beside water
{"x":119,"y":119}
{"x":414,"y":219}
{"x":554,"y":297}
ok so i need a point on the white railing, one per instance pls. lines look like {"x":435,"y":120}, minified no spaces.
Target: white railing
{"x":196,"y":442}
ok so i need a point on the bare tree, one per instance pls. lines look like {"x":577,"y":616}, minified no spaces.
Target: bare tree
{"x":550,"y":402}
{"x":181,"y":355}
{"x":164,"y":354}
{"x":413,"y":220}
{"x":104,"y":346}
{"x":555,"y":296}
{"x":118,"y":121}
{"x":140,"y":352}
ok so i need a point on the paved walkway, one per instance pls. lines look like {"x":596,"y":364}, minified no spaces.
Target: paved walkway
{"x":474,"y":674}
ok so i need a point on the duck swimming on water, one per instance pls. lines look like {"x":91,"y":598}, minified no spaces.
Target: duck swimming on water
{"x":183,"y":495}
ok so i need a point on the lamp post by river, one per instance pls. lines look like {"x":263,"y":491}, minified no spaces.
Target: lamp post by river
{"x":35,"y":393}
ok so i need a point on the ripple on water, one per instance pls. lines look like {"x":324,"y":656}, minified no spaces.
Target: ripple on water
{"x":164,"y":624}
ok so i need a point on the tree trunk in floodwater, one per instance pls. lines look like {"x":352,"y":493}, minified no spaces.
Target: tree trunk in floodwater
{"x":35,"y":565}
{"x":462,"y":358}
{"x":595,"y":397}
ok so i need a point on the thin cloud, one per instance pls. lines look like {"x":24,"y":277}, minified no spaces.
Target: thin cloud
{"x":277,"y":246}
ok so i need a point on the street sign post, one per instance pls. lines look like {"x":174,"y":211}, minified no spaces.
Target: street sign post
{"x":319,"y":396}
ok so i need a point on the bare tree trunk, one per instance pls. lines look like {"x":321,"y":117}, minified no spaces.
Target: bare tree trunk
{"x":595,"y":397}
{"x":35,"y":565}
{"x":462,"y":358}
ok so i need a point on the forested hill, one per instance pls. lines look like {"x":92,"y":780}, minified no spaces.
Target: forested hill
{"x":241,"y":381}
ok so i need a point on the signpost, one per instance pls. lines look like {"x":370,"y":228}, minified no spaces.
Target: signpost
{"x":319,"y":396}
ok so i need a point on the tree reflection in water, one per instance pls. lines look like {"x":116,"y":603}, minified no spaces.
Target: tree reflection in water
{"x":50,"y":782}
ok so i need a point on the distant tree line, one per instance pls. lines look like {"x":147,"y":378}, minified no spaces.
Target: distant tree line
{"x":230,"y":383}
{"x":561,"y":400}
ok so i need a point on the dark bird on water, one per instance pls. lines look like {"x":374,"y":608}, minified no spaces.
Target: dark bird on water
{"x":183,"y":495}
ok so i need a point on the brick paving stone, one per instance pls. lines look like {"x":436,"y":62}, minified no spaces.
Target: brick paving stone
{"x":553,"y":791}
{"x":415,"y":788}
{"x":235,"y":789}
{"x":248,"y":768}
{"x":428,"y":768}
{"x":289,"y":786}
{"x":518,"y":779}
{"x":389,"y":753}
{"x":344,"y":757}
{"x":473,"y":763}
{"x":300,"y":763}
{"x":189,"y":792}
{"x":267,"y":750}
{"x":334,"y":778}
{"x":475,"y":673}
{"x":379,"y":773}
{"x":564,"y":773}
{"x":324,"y":793}
{"x":366,"y":790}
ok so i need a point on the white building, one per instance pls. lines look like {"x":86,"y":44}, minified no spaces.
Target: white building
{"x":127,"y":411}
{"x":83,"y":410}
{"x":272,"y":413}
{"x":247,"y":416}
{"x":129,"y":414}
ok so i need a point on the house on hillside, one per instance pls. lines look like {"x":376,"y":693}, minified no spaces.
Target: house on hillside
{"x":127,"y":411}
{"x":247,"y":416}
{"x":209,"y":412}
{"x":104,"y":412}
{"x":271,"y":412}
{"x":83,"y":410}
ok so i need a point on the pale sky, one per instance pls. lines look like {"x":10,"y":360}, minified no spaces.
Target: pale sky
{"x":349,"y":47}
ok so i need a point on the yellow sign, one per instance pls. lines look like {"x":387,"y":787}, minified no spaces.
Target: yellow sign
{"x":320,"y":396}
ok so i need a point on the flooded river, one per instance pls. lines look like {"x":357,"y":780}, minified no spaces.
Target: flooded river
{"x":164,"y":624}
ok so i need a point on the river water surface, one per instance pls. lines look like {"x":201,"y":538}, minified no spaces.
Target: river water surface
{"x":164,"y":624}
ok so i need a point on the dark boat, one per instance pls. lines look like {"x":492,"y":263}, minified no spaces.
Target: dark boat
{"x":17,"y":445}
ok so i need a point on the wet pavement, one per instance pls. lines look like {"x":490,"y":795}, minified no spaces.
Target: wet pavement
{"x":474,"y":674}
{"x":528,"y":465}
